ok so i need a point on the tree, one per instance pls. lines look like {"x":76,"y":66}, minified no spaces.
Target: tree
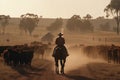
{"x":56,"y":25}
{"x":87,"y":17}
{"x":28,"y":22}
{"x":87,"y":24}
{"x":88,"y":27}
{"x":4,"y":21}
{"x":105,"y":26}
{"x":114,"y":8}
{"x":74,"y":23}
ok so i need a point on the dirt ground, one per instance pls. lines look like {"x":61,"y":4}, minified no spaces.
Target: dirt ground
{"x":78,"y":67}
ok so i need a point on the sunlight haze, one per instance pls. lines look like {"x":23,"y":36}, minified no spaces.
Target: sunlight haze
{"x":53,"y":8}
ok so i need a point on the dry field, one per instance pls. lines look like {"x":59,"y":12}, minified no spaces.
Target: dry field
{"x":97,"y":38}
{"x":78,"y":66}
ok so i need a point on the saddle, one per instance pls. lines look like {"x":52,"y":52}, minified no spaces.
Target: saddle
{"x":60,"y":52}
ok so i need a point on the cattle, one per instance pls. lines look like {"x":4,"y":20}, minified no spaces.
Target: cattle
{"x":41,"y":48}
{"x":91,"y":51}
{"x":2,"y":48}
{"x":110,"y":53}
{"x":17,"y":55}
{"x":115,"y":55}
{"x":23,"y":54}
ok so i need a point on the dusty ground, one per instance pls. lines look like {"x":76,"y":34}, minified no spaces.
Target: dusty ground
{"x":78,"y":67}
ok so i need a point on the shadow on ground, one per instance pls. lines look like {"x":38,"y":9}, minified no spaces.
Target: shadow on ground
{"x":95,"y":71}
{"x":76,"y":77}
{"x":26,"y":71}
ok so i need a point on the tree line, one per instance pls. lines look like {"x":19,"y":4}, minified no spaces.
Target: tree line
{"x":74,"y":24}
{"x":29,"y":21}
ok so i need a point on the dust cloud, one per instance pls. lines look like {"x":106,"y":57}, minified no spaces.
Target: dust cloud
{"x":76,"y":59}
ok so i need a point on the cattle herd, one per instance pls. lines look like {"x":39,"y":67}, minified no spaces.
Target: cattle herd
{"x":109,"y":53}
{"x":21,"y":54}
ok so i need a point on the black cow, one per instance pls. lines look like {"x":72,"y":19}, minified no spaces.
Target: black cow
{"x":26,"y":57}
{"x":2,"y":48}
{"x":18,"y":56}
{"x":110,"y":55}
{"x":115,"y":55}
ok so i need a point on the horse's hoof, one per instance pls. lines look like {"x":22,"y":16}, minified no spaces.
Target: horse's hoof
{"x":62,"y":72}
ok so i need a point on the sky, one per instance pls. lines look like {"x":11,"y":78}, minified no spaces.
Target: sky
{"x":53,"y":8}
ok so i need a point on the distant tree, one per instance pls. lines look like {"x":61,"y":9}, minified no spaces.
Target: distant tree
{"x":4,"y":21}
{"x":74,"y":23}
{"x":41,"y":16}
{"x":114,"y":29}
{"x":87,"y":17}
{"x":22,"y":26}
{"x":56,"y":25}
{"x":114,"y":8}
{"x":87,"y":24}
{"x":88,"y":27}
{"x":28,"y":22}
{"x":105,"y":26}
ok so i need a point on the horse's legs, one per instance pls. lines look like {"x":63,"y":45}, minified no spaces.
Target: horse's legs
{"x":57,"y":66}
{"x":62,"y":62}
{"x":62,"y":67}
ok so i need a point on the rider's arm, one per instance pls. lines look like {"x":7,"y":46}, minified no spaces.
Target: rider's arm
{"x":56,"y":41}
{"x":63,"y":41}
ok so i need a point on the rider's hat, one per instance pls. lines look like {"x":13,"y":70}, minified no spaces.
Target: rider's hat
{"x":60,"y":34}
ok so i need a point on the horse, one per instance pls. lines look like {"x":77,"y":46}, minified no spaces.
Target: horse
{"x":60,"y":53}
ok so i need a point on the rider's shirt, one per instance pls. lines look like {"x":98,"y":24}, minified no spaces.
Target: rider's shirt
{"x":60,"y":41}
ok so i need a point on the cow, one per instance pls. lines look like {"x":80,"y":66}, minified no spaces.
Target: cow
{"x":110,"y":54}
{"x":2,"y":48}
{"x":15,"y":56}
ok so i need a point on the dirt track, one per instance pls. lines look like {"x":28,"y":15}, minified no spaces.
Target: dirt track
{"x":41,"y":70}
{"x":44,"y":70}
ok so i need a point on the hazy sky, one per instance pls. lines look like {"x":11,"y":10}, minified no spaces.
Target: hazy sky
{"x":53,"y":8}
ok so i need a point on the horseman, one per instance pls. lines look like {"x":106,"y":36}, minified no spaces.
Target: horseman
{"x":60,"y":41}
{"x":60,"y":53}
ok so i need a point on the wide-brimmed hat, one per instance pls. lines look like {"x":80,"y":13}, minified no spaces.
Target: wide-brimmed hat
{"x":60,"y":34}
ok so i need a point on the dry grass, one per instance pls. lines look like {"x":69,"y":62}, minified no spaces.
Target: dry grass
{"x":13,"y":33}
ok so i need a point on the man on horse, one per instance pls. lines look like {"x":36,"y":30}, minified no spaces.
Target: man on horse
{"x":60,"y":41}
{"x":60,"y":53}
